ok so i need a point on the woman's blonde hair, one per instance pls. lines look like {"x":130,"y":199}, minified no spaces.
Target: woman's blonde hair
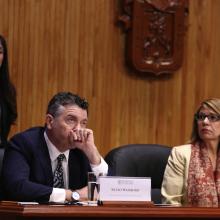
{"x":214,"y":105}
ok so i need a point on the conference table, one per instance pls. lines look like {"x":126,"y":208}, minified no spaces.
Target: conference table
{"x":13,"y":210}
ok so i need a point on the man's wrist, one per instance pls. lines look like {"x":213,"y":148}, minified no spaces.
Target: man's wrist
{"x":75,"y":196}
{"x":68,"y":195}
{"x":94,"y":157}
{"x":72,"y":195}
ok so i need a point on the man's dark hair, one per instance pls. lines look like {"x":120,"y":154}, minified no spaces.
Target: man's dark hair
{"x":64,"y":99}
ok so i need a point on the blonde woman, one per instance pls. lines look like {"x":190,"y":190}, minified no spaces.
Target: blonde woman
{"x":192,"y":175}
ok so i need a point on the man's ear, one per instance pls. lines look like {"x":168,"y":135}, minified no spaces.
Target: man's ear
{"x":49,"y":121}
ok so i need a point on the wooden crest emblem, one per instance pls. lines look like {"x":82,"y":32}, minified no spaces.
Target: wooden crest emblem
{"x":155,"y":34}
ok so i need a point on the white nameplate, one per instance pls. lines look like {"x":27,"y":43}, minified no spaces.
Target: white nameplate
{"x":114,"y":188}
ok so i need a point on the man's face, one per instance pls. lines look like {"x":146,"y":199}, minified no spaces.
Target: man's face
{"x":70,"y":117}
{"x":1,"y":54}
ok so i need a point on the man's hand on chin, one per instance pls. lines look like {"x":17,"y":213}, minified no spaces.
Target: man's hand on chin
{"x":83,"y":139}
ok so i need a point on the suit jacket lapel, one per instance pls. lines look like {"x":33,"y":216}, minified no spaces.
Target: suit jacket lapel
{"x":72,"y":170}
{"x":45,"y":161}
{"x":78,"y":168}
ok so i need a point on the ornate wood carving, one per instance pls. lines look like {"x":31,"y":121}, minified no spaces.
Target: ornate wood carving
{"x":155,"y":34}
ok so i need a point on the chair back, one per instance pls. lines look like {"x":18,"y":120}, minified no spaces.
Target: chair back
{"x":140,"y":160}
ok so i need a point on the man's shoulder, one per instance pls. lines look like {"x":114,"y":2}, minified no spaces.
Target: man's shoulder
{"x":34,"y":133}
{"x":28,"y":140}
{"x":30,"y":131}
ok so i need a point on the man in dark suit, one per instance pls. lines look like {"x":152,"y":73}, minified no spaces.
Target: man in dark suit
{"x":30,"y":167}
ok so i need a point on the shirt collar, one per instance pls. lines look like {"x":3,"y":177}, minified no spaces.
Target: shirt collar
{"x":53,"y":151}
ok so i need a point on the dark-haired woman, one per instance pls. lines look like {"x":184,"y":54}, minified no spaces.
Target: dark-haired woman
{"x":8,"y":104}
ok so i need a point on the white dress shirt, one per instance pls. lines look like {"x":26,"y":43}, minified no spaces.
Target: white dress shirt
{"x":58,"y":194}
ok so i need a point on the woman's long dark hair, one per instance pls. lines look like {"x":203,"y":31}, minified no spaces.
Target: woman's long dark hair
{"x":7,"y":89}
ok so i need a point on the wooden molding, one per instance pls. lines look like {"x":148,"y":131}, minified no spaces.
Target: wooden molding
{"x":155,"y":34}
{"x":127,"y":203}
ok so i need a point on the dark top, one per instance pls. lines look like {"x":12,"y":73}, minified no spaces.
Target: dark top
{"x":6,"y":119}
{"x":27,"y":172}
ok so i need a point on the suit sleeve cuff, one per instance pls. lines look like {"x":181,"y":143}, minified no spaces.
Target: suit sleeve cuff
{"x":101,"y":168}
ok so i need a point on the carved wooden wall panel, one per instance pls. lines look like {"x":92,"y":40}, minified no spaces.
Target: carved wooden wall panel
{"x":155,"y":34}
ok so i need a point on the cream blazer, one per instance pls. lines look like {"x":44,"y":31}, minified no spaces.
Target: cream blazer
{"x":174,"y":185}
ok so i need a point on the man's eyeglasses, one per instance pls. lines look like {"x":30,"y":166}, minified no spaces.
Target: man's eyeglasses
{"x":211,"y":117}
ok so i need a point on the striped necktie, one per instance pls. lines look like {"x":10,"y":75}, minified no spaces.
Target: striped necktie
{"x":58,"y":173}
